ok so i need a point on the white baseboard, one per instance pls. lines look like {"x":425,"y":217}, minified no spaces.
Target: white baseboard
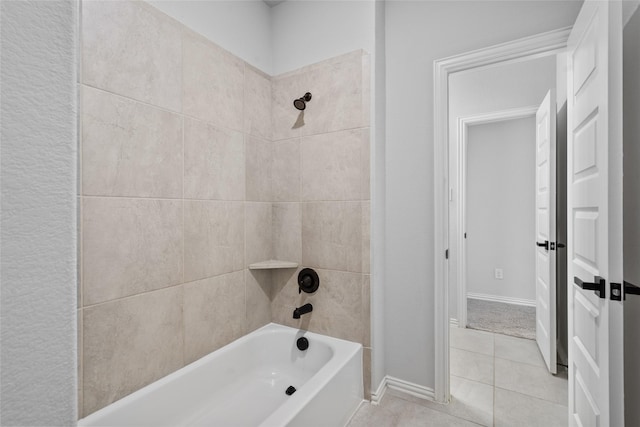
{"x":376,"y":396}
{"x":401,"y":386}
{"x":453,"y":323}
{"x":497,"y":298}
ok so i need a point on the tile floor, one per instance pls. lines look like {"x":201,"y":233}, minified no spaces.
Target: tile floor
{"x":496,"y":380}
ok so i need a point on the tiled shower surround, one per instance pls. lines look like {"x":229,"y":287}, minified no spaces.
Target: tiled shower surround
{"x":194,"y":165}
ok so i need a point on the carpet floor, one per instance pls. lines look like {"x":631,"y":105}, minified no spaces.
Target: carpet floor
{"x":502,"y":318}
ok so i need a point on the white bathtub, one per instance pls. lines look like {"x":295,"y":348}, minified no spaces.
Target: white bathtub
{"x":243,"y":384}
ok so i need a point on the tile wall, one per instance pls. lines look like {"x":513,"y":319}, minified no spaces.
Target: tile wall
{"x":193,"y":166}
{"x":321,"y":191}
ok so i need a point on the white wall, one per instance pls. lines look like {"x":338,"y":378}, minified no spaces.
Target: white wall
{"x":288,"y":36}
{"x":241,"y":27}
{"x":631,"y":138}
{"x":417,"y":33}
{"x":39,"y":154}
{"x":501,"y":208}
{"x":378,"y":199}
{"x":484,"y":90}
{"x":305,"y":32}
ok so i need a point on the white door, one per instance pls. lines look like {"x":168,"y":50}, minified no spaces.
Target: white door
{"x":595,"y":215}
{"x":546,"y":230}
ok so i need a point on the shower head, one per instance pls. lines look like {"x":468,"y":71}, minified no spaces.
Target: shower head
{"x":301,"y":103}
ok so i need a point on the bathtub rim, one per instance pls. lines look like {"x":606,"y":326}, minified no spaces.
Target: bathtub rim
{"x":343,"y":353}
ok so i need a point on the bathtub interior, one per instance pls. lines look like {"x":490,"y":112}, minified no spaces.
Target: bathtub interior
{"x":240,"y":384}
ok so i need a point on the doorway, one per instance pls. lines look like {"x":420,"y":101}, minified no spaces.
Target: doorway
{"x":492,"y":214}
{"x":498,"y":198}
{"x":495,"y":213}
{"x":513,"y":54}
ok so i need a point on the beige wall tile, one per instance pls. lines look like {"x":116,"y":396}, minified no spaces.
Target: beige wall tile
{"x":129,"y":148}
{"x":332,"y":235}
{"x":285,"y":298}
{"x":129,"y":49}
{"x":257,"y":103}
{"x":285,"y":118}
{"x":284,"y":291}
{"x":287,"y":232}
{"x":214,"y":162}
{"x":366,"y":237}
{"x":259,"y":169}
{"x":366,"y":310}
{"x":214,"y":238}
{"x":259,"y":239}
{"x":79,"y":222}
{"x":332,"y":166}
{"x":258,"y":304}
{"x":286,"y":171}
{"x":213,"y":83}
{"x":337,"y":305}
{"x":130,"y":343}
{"x":366,"y":89}
{"x":337,"y":102}
{"x":130,"y":246}
{"x":214,"y":313}
{"x":365,"y":165}
{"x":366,"y":372}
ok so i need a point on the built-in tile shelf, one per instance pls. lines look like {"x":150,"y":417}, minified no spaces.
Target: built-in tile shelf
{"x":272,"y":264}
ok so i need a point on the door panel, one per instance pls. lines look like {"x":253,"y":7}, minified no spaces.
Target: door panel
{"x":545,"y":231}
{"x":594,"y":213}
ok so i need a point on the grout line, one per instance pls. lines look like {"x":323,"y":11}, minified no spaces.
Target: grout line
{"x":161,"y":289}
{"x":184,"y":231}
{"x":166,"y":110}
{"x":330,"y":132}
{"x":218,"y":125}
{"x":532,"y":397}
{"x":169,"y":199}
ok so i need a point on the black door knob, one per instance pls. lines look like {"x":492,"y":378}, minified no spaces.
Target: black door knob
{"x":543,"y":245}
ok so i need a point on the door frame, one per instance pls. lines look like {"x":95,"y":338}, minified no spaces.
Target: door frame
{"x":523,"y":49}
{"x":462,"y":127}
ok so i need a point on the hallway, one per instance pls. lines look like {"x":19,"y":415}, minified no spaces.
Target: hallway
{"x":496,"y":380}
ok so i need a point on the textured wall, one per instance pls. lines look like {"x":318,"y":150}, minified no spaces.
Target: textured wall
{"x":38,"y":295}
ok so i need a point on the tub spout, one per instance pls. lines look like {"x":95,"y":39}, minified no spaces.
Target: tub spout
{"x":307,"y":308}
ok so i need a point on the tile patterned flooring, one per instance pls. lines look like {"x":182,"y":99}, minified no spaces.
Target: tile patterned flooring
{"x":496,"y":380}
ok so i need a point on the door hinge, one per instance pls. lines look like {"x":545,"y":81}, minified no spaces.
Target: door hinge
{"x":446,"y":254}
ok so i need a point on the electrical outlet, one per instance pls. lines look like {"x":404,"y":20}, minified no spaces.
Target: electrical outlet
{"x":499,"y":274}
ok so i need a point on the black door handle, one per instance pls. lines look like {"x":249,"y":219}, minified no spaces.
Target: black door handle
{"x":598,"y":286}
{"x":630,"y":288}
{"x":543,"y":245}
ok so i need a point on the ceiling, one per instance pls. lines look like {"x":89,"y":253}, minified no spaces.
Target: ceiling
{"x":272,"y":3}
